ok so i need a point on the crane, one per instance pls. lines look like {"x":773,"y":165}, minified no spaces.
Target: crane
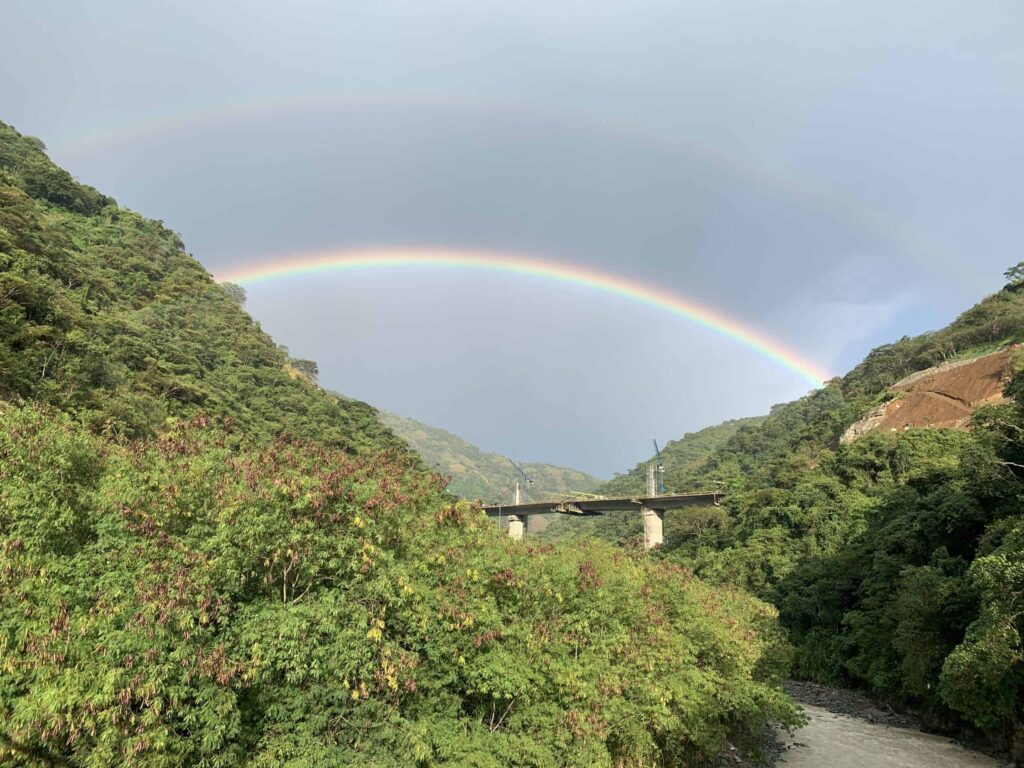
{"x":526,"y":477}
{"x":661,"y":469}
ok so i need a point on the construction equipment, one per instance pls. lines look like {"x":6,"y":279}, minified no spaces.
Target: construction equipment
{"x":521,"y":496}
{"x":661,"y":468}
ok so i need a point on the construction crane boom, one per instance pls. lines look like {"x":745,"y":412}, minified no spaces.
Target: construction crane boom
{"x":526,"y":477}
{"x":661,"y":468}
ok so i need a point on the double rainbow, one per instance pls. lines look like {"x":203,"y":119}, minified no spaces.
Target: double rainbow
{"x":528,"y":266}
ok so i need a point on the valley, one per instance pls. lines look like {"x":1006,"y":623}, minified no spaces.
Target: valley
{"x":206,"y":558}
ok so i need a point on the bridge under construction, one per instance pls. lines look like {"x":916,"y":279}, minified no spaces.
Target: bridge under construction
{"x":651,"y":506}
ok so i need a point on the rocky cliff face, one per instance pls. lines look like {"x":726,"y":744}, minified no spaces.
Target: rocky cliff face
{"x":944,"y":396}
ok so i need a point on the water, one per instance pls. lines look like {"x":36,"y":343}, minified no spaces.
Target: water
{"x":839,"y":741}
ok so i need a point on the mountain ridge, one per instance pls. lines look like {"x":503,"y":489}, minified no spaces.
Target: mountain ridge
{"x":206,"y":559}
{"x":479,"y":474}
{"x":894,"y":558}
{"x":105,"y":315}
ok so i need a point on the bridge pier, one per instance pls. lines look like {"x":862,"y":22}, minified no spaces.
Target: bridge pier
{"x":654,"y":527}
{"x":654,"y":519}
{"x":651,"y":507}
{"x":517,"y":525}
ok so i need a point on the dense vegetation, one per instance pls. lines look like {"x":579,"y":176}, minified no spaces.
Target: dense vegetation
{"x":187,"y":601}
{"x":103,"y":314}
{"x":477,"y":474}
{"x":681,"y":458}
{"x":897,"y":561}
{"x":206,"y":560}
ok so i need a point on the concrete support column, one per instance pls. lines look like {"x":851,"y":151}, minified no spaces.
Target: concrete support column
{"x":654,"y":519}
{"x":515,"y":527}
{"x":654,"y":527}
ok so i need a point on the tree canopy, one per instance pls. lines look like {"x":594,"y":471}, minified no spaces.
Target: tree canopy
{"x":104,"y":314}
{"x":191,"y":601}
{"x":208,"y":560}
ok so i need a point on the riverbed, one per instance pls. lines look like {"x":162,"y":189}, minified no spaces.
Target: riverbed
{"x":839,"y":741}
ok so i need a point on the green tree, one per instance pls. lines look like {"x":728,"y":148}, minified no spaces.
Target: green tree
{"x":192,"y":600}
{"x":235,"y":291}
{"x":1015,"y":276}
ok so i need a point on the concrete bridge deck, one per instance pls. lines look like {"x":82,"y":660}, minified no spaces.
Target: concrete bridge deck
{"x":600,"y":506}
{"x":652,"y":510}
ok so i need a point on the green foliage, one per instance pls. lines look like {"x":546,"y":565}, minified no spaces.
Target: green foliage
{"x":894,"y":560}
{"x":307,"y":368}
{"x":235,"y":291}
{"x":196,"y":600}
{"x":103,"y":314}
{"x":681,"y":458}
{"x":984,"y":676}
{"x":994,"y":322}
{"x":477,"y":474}
{"x":1015,"y":276}
{"x":23,"y":164}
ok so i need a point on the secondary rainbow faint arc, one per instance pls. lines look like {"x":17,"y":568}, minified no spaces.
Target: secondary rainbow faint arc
{"x":345,"y":261}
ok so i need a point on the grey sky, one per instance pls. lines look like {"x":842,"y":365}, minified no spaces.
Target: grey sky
{"x":834,"y":174}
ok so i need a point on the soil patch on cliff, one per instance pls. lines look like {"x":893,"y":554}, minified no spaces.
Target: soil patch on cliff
{"x":944,"y":396}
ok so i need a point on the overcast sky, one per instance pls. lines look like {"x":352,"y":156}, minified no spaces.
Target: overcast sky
{"x":833,"y":174}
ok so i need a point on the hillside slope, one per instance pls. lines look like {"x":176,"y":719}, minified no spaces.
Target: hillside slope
{"x":944,"y":396}
{"x":185,"y":583}
{"x":104,"y":314}
{"x":680,"y":457}
{"x":478,"y":474}
{"x":894,"y":558}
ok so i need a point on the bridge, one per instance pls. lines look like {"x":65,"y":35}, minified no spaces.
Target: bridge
{"x":652,"y":508}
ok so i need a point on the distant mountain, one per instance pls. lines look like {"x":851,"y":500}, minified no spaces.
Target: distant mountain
{"x":477,"y":474}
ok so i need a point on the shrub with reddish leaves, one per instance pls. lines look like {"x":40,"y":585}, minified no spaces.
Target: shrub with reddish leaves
{"x":188,"y":600}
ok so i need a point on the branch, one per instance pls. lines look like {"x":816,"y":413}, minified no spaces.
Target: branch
{"x":53,"y":351}
{"x":501,"y":719}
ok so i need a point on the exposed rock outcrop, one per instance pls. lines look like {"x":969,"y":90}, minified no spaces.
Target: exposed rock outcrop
{"x":943,"y":396}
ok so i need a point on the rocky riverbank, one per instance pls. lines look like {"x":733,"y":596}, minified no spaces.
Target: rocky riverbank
{"x":843,"y":702}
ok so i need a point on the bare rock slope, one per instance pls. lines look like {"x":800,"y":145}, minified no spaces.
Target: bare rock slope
{"x":944,"y":396}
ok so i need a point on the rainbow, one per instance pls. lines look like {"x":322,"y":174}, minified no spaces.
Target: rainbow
{"x":528,"y":266}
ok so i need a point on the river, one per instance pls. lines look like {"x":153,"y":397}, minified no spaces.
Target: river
{"x":840,"y":741}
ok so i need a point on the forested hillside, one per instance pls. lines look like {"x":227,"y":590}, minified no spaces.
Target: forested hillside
{"x":104,"y":314}
{"x":681,"y":458}
{"x":207,"y":560}
{"x":897,"y":560}
{"x":477,"y":474}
